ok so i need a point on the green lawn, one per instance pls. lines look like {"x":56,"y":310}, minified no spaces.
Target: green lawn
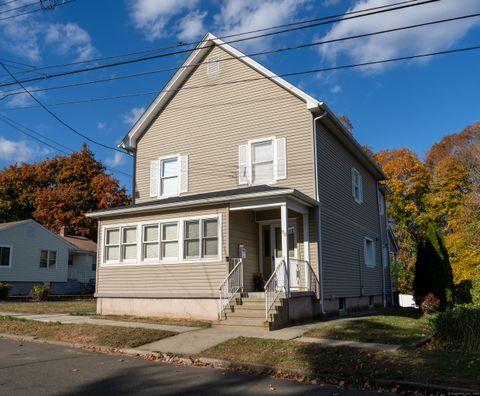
{"x":158,"y":320}
{"x":109,"y":336}
{"x":399,"y":326}
{"x":76,"y":307}
{"x":356,"y":366}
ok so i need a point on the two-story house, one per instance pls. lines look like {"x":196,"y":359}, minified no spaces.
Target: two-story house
{"x":239,"y":173}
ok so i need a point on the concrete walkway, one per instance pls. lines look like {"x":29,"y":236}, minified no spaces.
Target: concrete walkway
{"x":73,"y":319}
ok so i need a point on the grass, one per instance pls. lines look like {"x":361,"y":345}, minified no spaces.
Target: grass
{"x":109,"y":336}
{"x":356,"y":366}
{"x":399,"y":326}
{"x":77,"y":307}
{"x":158,"y":320}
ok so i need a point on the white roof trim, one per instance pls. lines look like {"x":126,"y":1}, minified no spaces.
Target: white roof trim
{"x":129,"y":141}
{"x":196,"y":202}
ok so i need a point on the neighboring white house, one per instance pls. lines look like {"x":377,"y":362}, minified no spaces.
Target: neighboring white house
{"x":30,"y":255}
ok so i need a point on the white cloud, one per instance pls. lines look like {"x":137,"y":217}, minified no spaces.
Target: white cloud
{"x":238,"y":16}
{"x":152,"y":16}
{"x":18,"y":151}
{"x":191,"y":25}
{"x":427,"y":39}
{"x":133,"y":115}
{"x":337,"y":88}
{"x":67,"y":38}
{"x":20,"y":98}
{"x":116,"y":160}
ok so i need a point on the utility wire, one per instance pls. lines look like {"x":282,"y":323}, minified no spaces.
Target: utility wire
{"x":58,"y":118}
{"x":173,"y":53}
{"x":36,"y":10}
{"x":21,"y":128}
{"x":268,"y":52}
{"x":298,"y":73}
{"x":7,"y":2}
{"x":19,"y":7}
{"x":195,"y":43}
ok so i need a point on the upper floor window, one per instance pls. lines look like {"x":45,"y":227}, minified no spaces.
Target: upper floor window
{"x":381,"y":204}
{"x":169,"y":176}
{"x":262,"y":161}
{"x":369,"y":252}
{"x":48,"y":259}
{"x":357,"y":186}
{"x":5,"y":256}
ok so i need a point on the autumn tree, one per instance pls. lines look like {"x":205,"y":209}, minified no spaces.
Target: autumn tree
{"x":59,"y":191}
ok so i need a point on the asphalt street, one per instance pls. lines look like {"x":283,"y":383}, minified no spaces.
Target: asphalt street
{"x":28,"y":368}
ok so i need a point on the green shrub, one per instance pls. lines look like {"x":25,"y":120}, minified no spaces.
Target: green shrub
{"x":40,"y":292}
{"x":475,"y":291}
{"x":457,"y":329}
{"x":4,"y":290}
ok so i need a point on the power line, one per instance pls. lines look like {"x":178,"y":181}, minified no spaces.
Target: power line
{"x":173,"y":53}
{"x":36,"y":10}
{"x":298,"y":73}
{"x":268,"y":52}
{"x":19,"y":7}
{"x":195,"y":43}
{"x":58,"y":118}
{"x":21,"y":128}
{"x":7,"y":2}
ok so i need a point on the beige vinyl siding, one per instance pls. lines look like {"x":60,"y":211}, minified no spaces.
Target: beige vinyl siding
{"x":178,"y":279}
{"x":244,"y":230}
{"x":209,"y":125}
{"x":345,"y":223}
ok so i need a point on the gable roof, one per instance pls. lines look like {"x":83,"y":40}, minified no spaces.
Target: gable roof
{"x":11,"y":224}
{"x":81,"y":243}
{"x":184,"y":72}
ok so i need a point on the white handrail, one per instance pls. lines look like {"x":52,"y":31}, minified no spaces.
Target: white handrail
{"x":231,"y":285}
{"x":308,"y":278}
{"x":274,"y":286}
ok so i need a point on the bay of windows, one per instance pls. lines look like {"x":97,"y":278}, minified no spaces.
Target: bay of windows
{"x":170,"y":241}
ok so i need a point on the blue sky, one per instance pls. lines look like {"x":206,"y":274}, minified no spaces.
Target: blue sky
{"x":408,"y":104}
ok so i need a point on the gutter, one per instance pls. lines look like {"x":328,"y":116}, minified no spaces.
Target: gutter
{"x":319,"y":214}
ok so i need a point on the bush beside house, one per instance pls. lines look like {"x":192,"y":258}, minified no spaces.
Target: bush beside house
{"x":4,"y":290}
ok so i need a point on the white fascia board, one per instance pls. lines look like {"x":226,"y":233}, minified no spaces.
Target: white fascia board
{"x":129,"y":141}
{"x":195,"y":202}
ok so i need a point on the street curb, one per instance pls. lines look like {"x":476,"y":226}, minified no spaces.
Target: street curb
{"x":245,"y":366}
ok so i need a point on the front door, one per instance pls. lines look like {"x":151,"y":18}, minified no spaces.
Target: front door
{"x":272,"y":245}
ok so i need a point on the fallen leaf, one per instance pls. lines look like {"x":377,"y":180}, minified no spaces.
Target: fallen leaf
{"x":75,"y":370}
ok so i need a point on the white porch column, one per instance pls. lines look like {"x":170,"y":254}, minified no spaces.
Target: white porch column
{"x":284,"y":227}
{"x":306,"y":248}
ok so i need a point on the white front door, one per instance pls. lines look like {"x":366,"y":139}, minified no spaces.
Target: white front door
{"x":277,"y":254}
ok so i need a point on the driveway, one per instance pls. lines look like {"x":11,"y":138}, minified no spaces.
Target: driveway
{"x":42,"y":369}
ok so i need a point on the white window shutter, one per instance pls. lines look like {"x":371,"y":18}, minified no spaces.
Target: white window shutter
{"x":243,"y":164}
{"x":360,"y":187}
{"x":154,"y":178}
{"x":281,"y":158}
{"x":183,"y":162}
{"x":353,"y":183}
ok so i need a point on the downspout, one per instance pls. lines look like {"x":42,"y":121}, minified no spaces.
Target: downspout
{"x":319,"y":215}
{"x":382,"y":247}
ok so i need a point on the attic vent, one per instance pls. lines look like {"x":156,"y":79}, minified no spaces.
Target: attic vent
{"x":213,"y":65}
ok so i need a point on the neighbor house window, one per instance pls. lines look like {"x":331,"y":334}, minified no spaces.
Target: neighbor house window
{"x":112,"y":244}
{"x":48,"y":259}
{"x":150,"y":242}
{"x":5,"y":256}
{"x":262,"y":162}
{"x":357,"y":188}
{"x":170,"y":241}
{"x":369,"y":251}
{"x":381,"y":204}
{"x":129,"y":243}
{"x":169,"y":177}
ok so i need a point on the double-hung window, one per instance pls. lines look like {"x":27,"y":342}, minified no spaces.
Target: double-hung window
{"x":357,"y":187}
{"x":112,"y":244}
{"x":169,"y":177}
{"x":201,"y":239}
{"x":262,"y":162}
{"x":170,"y":241}
{"x":210,"y":238}
{"x":129,"y":244}
{"x":48,"y":259}
{"x":370,"y":252}
{"x":121,"y":244}
{"x":150,"y":242}
{"x":5,"y":256}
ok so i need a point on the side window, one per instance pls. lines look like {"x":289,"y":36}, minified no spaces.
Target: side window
{"x":48,"y":259}
{"x":5,"y":256}
{"x":169,"y":176}
{"x":369,"y":252}
{"x":381,"y":204}
{"x":357,"y":186}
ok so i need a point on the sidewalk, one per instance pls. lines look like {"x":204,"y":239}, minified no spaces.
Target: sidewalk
{"x":72,"y":319}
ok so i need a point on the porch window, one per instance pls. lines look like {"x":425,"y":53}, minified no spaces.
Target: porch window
{"x":150,"y":242}
{"x":192,"y":239}
{"x":201,"y":238}
{"x":170,"y":241}
{"x":262,"y":162}
{"x":5,"y":256}
{"x":210,"y":238}
{"x":169,"y":177}
{"x":129,"y":243}
{"x":112,"y":244}
{"x":369,"y":252}
{"x":48,"y":259}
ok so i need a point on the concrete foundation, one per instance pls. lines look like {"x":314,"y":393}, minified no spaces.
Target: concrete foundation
{"x":185,"y":308}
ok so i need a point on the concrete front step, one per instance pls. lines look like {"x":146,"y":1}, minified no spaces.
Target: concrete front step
{"x":246,"y":313}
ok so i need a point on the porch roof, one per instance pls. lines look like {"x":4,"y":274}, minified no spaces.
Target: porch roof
{"x":225,"y":196}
